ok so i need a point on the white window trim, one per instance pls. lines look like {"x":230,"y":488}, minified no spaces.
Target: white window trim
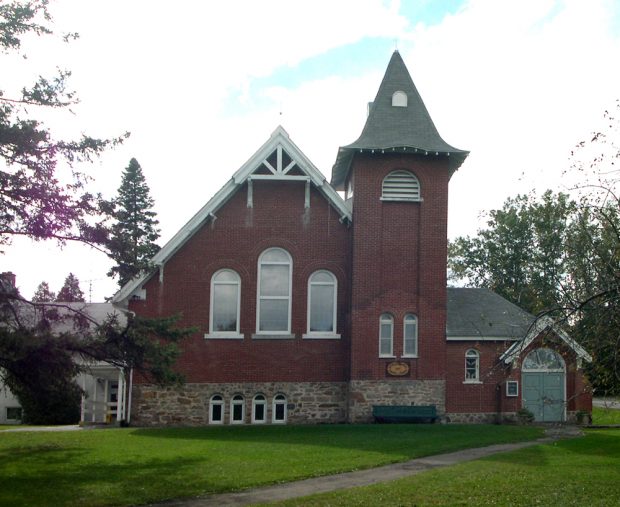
{"x":234,"y":402}
{"x":262,"y":402}
{"x":223,"y":335}
{"x":322,"y":335}
{"x":405,"y":334}
{"x":475,"y":380}
{"x":399,"y":99}
{"x":273,"y":409}
{"x":515,"y":383}
{"x":212,"y":403}
{"x":382,"y":321}
{"x":274,"y":334}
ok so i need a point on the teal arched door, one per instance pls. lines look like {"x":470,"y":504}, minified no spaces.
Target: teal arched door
{"x":543,"y":379}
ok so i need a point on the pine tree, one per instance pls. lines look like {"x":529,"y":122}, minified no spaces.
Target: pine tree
{"x":132,"y":242}
{"x":43,"y":294}
{"x":70,"y":291}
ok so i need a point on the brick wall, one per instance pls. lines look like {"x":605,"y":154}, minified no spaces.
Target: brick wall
{"x":399,"y":263}
{"x":315,"y":238}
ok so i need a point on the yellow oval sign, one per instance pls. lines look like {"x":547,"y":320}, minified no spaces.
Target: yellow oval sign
{"x":397,"y":369}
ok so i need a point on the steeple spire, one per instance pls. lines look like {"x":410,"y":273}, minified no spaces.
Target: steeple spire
{"x":397,"y":121}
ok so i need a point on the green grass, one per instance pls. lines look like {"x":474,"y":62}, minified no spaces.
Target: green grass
{"x":605,"y":416}
{"x":10,"y":426}
{"x":133,"y":466}
{"x":580,"y":471}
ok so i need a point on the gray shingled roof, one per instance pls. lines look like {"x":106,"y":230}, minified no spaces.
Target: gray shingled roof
{"x":396,"y":128}
{"x":482,"y":314}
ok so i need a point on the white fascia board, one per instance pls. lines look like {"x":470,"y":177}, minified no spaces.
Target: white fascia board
{"x":278,"y":137}
{"x":178,"y":240}
{"x":536,"y":329}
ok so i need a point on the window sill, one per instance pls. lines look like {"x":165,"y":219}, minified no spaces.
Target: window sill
{"x":409,"y":356}
{"x":321,"y":336}
{"x":387,"y":357}
{"x":472,"y":382}
{"x":273,"y":336}
{"x":223,"y":336}
{"x":400,"y":199}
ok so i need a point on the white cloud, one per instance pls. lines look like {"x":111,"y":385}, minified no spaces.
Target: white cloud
{"x":518,"y":84}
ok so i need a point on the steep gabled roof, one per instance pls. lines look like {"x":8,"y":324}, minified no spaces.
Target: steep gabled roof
{"x":543,"y":325}
{"x":278,"y":159}
{"x":400,"y":129}
{"x":481,"y":314}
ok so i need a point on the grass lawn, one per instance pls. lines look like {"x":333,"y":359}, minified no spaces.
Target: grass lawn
{"x":133,"y":466}
{"x":580,"y":471}
{"x":604,"y":416}
{"x":10,"y":426}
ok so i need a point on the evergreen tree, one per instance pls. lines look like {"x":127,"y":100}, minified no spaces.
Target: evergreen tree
{"x":43,"y":294}
{"x":132,"y":241}
{"x":70,"y":292}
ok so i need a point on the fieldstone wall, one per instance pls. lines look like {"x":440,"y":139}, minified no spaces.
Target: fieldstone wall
{"x":188,"y":405}
{"x":363,"y":394}
{"x":481,"y":418}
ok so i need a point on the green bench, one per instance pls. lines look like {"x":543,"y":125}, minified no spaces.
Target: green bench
{"x":404,"y":413}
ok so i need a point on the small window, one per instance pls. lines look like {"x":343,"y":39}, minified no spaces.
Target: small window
{"x":322,"y":295}
{"x":410,"y":336}
{"x":472,"y":366}
{"x":216,"y":409}
{"x":225,"y":304}
{"x":237,"y":409}
{"x":13,"y":413}
{"x":386,"y":335}
{"x":274,"y":292}
{"x":279,"y":409}
{"x":399,"y":99}
{"x":400,"y":186}
{"x":259,"y":409}
{"x":512,"y":388}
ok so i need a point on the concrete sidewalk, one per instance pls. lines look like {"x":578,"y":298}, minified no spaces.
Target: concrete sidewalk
{"x":364,"y":477}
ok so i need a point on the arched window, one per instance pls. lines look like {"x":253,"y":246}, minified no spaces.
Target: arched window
{"x":237,"y":409}
{"x":322,"y":300}
{"x":386,"y":335}
{"x":216,"y":409}
{"x":275,"y":268}
{"x":225,"y":304}
{"x":259,"y":409}
{"x":410,"y":336}
{"x":543,"y":359}
{"x":472,"y":366}
{"x":399,"y":99}
{"x":279,"y":409}
{"x":400,"y":186}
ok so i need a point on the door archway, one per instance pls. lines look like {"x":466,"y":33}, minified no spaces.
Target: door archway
{"x":544,"y":385}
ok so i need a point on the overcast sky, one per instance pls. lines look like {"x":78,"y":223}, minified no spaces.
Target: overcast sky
{"x":201,"y":85}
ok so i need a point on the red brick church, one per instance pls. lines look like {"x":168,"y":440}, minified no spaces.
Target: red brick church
{"x":312,"y":308}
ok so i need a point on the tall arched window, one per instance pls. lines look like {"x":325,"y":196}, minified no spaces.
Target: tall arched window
{"x":386,"y":335}
{"x":259,"y":409}
{"x":275,"y":268}
{"x":237,"y":409}
{"x":225,"y":305}
{"x":410,"y":336}
{"x":472,"y":366}
{"x":322,"y":300}
{"x":279,"y":409}
{"x":400,"y":186}
{"x":216,"y":409}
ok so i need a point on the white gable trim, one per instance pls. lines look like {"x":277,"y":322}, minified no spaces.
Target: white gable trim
{"x":279,"y":141}
{"x":539,"y":326}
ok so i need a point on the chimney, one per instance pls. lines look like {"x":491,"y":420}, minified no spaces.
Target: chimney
{"x":7,"y":280}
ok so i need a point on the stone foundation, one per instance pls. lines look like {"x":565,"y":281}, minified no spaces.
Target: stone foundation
{"x":482,"y":418}
{"x":188,"y":405}
{"x":363,"y":394}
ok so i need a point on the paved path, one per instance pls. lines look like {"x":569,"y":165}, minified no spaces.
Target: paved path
{"x":363,"y":477}
{"x":607,"y":403}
